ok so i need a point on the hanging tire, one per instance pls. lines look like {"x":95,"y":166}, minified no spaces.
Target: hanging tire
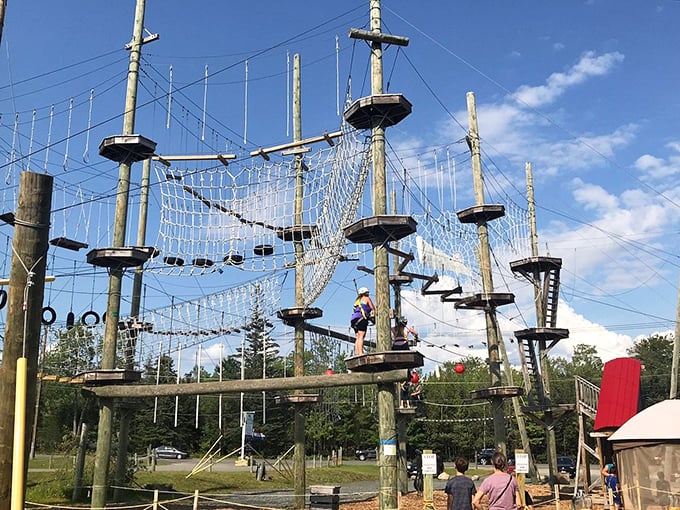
{"x":3,"y":298}
{"x":70,"y":320}
{"x":86,"y":315}
{"x":52,"y":316}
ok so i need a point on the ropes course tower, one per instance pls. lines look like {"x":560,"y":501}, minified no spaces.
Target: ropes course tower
{"x":488,"y":300}
{"x":535,"y":343}
{"x":377,"y":112}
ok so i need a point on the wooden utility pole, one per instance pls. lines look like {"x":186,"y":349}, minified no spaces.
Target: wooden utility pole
{"x":519,"y":415}
{"x":401,"y":419}
{"x":130,"y":347}
{"x":103,"y":455}
{"x":22,"y":331}
{"x":299,"y":468}
{"x":676,"y":352}
{"x":492,"y":327}
{"x":548,"y":418}
{"x":3,"y":8}
{"x":388,"y":497}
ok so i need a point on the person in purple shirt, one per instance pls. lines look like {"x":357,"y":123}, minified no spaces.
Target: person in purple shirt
{"x":460,"y":488}
{"x":500,"y":487}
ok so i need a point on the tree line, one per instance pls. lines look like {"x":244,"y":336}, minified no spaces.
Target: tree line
{"x":448,"y":422}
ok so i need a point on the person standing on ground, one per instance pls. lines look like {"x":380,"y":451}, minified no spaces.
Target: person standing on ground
{"x":612,"y":484}
{"x":460,"y":489}
{"x":500,"y":487}
{"x":362,"y":313}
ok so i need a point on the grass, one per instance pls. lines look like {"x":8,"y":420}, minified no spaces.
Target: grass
{"x":55,"y":486}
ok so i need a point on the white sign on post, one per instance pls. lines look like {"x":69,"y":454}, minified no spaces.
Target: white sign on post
{"x":429,"y":463}
{"x":522,"y":463}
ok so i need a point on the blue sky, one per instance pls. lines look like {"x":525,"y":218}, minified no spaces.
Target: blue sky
{"x":586,"y":91}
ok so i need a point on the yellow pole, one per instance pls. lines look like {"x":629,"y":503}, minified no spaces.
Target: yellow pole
{"x":18,"y":449}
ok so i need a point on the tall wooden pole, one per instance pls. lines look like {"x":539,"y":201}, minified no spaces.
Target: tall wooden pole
{"x":3,"y":8}
{"x":103,"y":455}
{"x":517,"y":408}
{"x":22,"y":327}
{"x":386,"y":393}
{"x":130,"y":348}
{"x":299,"y":355}
{"x":548,"y":418}
{"x":487,"y":281}
{"x":401,"y":419}
{"x":676,"y":352}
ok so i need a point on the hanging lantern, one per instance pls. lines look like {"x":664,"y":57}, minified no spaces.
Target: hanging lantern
{"x":459,"y":368}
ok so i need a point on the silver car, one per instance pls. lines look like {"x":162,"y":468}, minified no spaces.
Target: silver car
{"x":170,"y":452}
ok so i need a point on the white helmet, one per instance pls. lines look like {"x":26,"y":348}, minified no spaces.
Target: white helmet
{"x":363,"y":290}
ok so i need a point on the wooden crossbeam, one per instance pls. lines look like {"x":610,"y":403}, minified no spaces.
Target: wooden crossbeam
{"x":248,"y":385}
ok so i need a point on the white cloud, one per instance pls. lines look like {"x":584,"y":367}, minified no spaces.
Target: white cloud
{"x":653,"y":167}
{"x":557,"y":84}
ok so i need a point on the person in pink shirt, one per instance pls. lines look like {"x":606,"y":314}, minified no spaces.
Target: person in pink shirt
{"x":500,"y":487}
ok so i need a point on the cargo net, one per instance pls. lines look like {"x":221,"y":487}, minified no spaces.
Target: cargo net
{"x":447,"y":247}
{"x":244,"y":216}
{"x":199,"y":321}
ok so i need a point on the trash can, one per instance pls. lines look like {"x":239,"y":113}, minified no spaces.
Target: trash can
{"x":324,"y":497}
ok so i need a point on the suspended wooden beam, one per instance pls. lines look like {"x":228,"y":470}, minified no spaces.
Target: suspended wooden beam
{"x":222,"y":158}
{"x":397,"y":40}
{"x":325,"y":137}
{"x":248,"y":385}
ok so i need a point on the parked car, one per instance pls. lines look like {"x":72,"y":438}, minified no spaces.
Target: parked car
{"x":170,"y":452}
{"x":566,"y":465}
{"x":366,"y":453}
{"x":484,"y":456}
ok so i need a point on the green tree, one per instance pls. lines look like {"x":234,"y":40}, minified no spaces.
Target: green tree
{"x":656,"y":354}
{"x":63,"y":407}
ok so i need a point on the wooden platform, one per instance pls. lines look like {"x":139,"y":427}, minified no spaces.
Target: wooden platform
{"x":69,"y":244}
{"x":400,"y":279}
{"x":379,"y":110}
{"x":310,"y":398}
{"x":235,"y":259}
{"x":103,"y":377}
{"x":380,"y":229}
{"x":8,"y":218}
{"x":297,"y":232}
{"x":384,"y":361}
{"x":290,"y":316}
{"x":406,"y":411}
{"x":498,"y":391}
{"x":545,"y":334}
{"x":118,"y":258}
{"x":526,"y":267}
{"x":553,"y":408}
{"x":485,"y":300}
{"x":480,"y":214}
{"x":127,"y":148}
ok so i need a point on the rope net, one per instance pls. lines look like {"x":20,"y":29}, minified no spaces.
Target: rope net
{"x":448,"y":247}
{"x":210,"y":317}
{"x":244,"y":215}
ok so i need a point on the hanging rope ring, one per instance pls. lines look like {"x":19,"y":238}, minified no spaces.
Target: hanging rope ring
{"x":52,"y":316}
{"x":86,"y":315}
{"x":3,"y":298}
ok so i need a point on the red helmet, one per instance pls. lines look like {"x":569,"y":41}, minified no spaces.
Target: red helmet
{"x":415,"y":377}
